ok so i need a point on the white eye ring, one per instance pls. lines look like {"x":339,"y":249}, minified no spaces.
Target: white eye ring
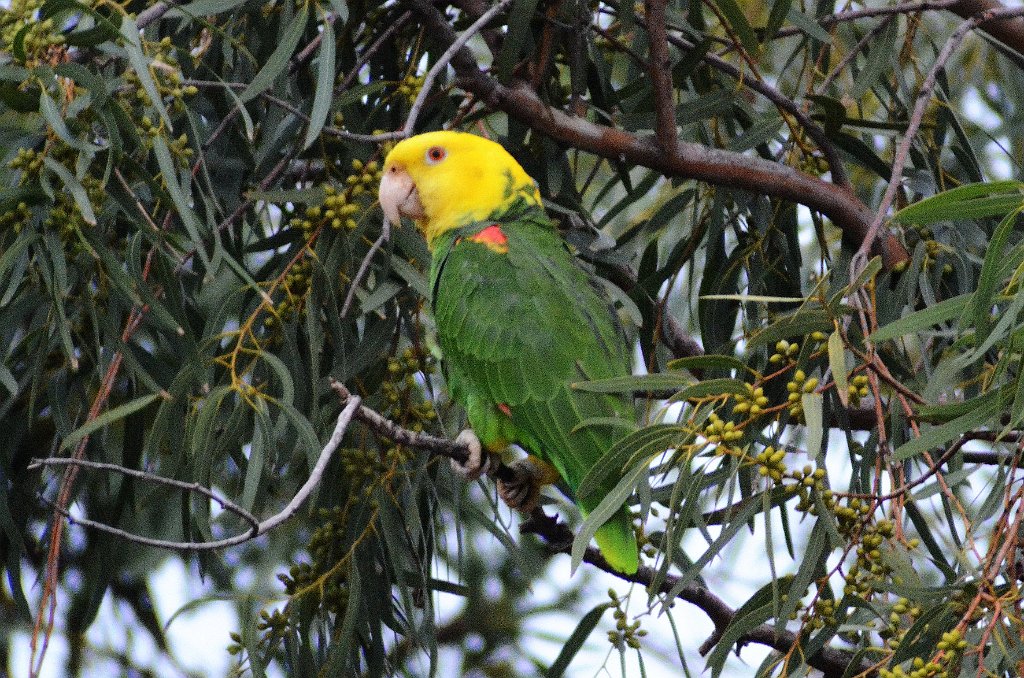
{"x":436,"y":154}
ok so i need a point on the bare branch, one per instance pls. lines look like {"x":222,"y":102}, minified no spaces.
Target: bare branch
{"x":225,"y":503}
{"x":924,"y":97}
{"x":364,"y":265}
{"x":293,"y":506}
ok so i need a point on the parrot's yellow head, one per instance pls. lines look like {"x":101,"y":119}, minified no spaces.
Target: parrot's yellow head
{"x":443,"y":180}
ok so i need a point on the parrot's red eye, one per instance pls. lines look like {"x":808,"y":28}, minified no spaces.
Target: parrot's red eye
{"x":436,"y":154}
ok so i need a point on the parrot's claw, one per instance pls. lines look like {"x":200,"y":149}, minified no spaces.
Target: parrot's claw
{"x":522,"y":493}
{"x":479,"y":461}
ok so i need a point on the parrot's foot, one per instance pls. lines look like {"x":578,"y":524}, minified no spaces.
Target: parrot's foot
{"x":531,"y":474}
{"x":479,"y":462}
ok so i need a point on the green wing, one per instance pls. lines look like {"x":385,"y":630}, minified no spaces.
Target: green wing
{"x":517,"y":327}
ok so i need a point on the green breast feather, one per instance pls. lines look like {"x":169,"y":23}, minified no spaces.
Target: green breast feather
{"x":518,"y":321}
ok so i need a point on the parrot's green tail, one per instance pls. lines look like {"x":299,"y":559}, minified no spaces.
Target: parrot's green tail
{"x":618,"y":543}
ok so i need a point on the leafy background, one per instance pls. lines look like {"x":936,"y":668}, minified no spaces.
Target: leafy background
{"x":190,"y":251}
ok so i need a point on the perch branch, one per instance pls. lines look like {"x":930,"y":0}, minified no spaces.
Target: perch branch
{"x":422,"y":441}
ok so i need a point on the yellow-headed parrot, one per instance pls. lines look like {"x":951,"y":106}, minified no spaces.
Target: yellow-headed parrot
{"x":518,"y":319}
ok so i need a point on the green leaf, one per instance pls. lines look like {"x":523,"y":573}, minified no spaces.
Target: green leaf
{"x":780,"y":10}
{"x":878,"y":61}
{"x":614,"y":422}
{"x":973,"y":201}
{"x":984,"y":411}
{"x":812,"y":404}
{"x":608,"y":507}
{"x":798,"y":324}
{"x":915,"y":322}
{"x":869,"y":272}
{"x":758,"y":609}
{"x":808,"y":25}
{"x":54,"y":117}
{"x":324,"y":92}
{"x":643,"y":443}
{"x":753,"y":298}
{"x":940,"y":414}
{"x":811,"y":565}
{"x":277,"y":61}
{"x":182,"y":202}
{"x":738,"y":20}
{"x":710,"y":362}
{"x":140,"y":64}
{"x":74,"y":187}
{"x":520,"y":16}
{"x":575,"y":641}
{"x":837,"y":363}
{"x":980,"y":307}
{"x":659,"y":381}
{"x":8,"y":380}
{"x":106,"y":418}
{"x":710,"y":388}
{"x":204,"y":8}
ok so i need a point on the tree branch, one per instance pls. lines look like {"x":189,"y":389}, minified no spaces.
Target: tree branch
{"x":293,"y":506}
{"x":783,"y":103}
{"x":659,"y":69}
{"x":690,"y":161}
{"x":831,"y":661}
{"x":924,"y":96}
{"x":422,"y":441}
{"x":1008,"y":30}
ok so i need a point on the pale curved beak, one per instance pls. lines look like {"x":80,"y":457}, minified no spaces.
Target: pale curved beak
{"x":398,"y":195}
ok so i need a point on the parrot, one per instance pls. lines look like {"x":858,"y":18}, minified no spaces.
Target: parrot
{"x":518,"y":320}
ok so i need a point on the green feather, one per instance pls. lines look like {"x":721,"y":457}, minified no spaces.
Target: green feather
{"x":517,"y":327}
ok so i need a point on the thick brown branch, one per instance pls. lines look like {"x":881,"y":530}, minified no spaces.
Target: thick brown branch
{"x":660,"y":71}
{"x":1009,"y":31}
{"x":690,"y":161}
{"x":831,"y":661}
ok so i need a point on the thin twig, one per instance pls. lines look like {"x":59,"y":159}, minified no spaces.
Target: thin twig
{"x":364,"y":265}
{"x":225,"y":503}
{"x":293,"y":506}
{"x":924,"y":96}
{"x":831,"y":661}
{"x":443,"y":61}
{"x":782,"y":102}
{"x":854,"y":15}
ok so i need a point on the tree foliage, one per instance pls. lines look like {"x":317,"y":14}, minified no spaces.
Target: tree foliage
{"x":806,"y":213}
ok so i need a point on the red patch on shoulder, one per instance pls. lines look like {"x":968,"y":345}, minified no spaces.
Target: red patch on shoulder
{"x":505,"y":409}
{"x":492,"y":236}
